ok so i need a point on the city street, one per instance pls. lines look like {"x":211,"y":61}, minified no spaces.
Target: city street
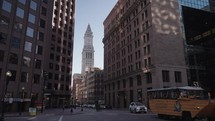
{"x":88,"y":115}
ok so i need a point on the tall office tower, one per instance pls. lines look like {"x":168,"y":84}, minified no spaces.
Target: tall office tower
{"x":203,"y":5}
{"x":29,"y":51}
{"x":212,"y":5}
{"x":88,"y":50}
{"x":60,"y":56}
{"x":143,"y":49}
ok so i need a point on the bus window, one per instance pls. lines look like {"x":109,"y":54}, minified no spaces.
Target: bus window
{"x":183,"y":94}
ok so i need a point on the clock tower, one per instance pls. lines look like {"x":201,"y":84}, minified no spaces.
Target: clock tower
{"x":88,"y":50}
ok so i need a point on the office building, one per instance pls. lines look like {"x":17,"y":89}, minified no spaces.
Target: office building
{"x":143,"y":49}
{"x":95,"y":87}
{"x":200,"y":36}
{"x":36,"y":46}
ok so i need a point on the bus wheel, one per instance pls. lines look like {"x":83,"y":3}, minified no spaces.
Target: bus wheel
{"x":186,"y":116}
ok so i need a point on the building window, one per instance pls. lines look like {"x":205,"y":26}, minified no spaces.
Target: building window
{"x":28,"y":46}
{"x":63,"y":68}
{"x":124,"y":83}
{"x":62,"y":87}
{"x":31,"y":18}
{"x":17,"y":27}
{"x":148,"y":78}
{"x":178,"y":76}
{"x":3,"y":38}
{"x":50,"y":75}
{"x":139,"y":82}
{"x":1,"y":55}
{"x":118,"y":84}
{"x":33,"y":5}
{"x":62,"y":78}
{"x":20,"y":12}
{"x":42,"y":23}
{"x":13,"y":77}
{"x":147,"y":36}
{"x":30,"y":32}
{"x":165,"y":75}
{"x":24,"y":77}
{"x":131,"y":82}
{"x":57,"y":67}
{"x":68,"y":78}
{"x":113,"y":85}
{"x":43,"y":11}
{"x":6,"y":6}
{"x":56,"y":77}
{"x":36,"y":78}
{"x":45,"y":1}
{"x":26,"y":61}
{"x":56,"y":86}
{"x":39,"y":50}
{"x":40,"y":36}
{"x":13,"y":58}
{"x":4,"y":21}
{"x":37,"y":64}
{"x":51,"y":56}
{"x":15,"y":42}
{"x":67,"y":88}
{"x":22,"y":1}
{"x":51,"y":65}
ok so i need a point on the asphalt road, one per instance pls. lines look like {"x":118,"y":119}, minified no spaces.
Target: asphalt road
{"x":88,"y":115}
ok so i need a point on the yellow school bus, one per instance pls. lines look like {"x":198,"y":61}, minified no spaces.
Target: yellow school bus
{"x":188,"y":103}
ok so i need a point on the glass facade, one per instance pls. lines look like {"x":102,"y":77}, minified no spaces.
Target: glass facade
{"x":30,"y":32}
{"x":28,"y":46}
{"x":15,"y":42}
{"x":33,"y":5}
{"x":6,"y":6}
{"x":198,"y":4}
{"x":31,"y":18}
{"x":22,"y":1}
{"x":20,"y":12}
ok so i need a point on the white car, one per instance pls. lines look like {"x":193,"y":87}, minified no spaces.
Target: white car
{"x":137,"y":107}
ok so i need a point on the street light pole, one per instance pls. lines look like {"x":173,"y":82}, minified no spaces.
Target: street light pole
{"x":8,"y":75}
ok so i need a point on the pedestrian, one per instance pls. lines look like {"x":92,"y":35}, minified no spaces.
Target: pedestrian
{"x":71,"y":109}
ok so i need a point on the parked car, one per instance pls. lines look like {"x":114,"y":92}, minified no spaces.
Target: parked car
{"x":137,"y":107}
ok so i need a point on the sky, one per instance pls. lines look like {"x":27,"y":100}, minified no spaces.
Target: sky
{"x":92,"y":12}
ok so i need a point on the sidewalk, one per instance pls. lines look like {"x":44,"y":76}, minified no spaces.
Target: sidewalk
{"x":56,"y":111}
{"x":17,"y":114}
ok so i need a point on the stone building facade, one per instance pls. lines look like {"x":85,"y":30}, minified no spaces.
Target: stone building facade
{"x":143,"y":49}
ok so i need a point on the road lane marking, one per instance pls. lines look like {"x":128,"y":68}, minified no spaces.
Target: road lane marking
{"x":61,"y":118}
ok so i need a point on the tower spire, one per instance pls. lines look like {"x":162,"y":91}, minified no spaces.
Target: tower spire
{"x":88,"y":50}
{"x":88,"y":31}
